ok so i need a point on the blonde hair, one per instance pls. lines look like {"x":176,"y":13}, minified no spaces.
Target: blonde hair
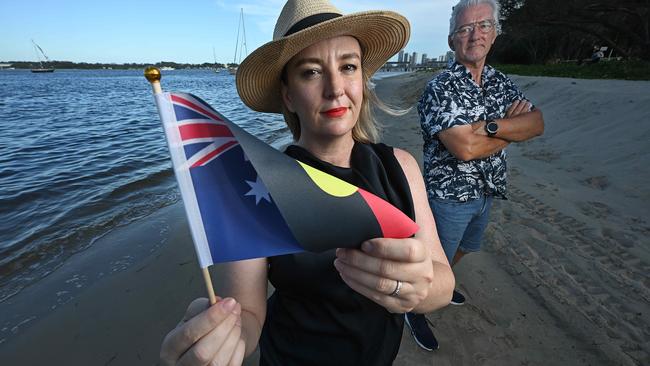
{"x":367,"y":129}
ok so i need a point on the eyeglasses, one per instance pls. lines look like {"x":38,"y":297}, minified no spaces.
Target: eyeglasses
{"x":485,"y":26}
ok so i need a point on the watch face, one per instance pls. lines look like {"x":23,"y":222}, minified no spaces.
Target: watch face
{"x":492,"y":127}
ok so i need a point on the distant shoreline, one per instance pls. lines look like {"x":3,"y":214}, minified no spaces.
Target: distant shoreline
{"x":615,"y":69}
{"x":66,"y":65}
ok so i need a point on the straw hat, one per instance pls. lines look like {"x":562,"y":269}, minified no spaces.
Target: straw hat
{"x":305,"y":22}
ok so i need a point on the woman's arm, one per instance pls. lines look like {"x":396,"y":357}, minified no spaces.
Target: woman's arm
{"x":443,"y":282}
{"x":247,"y":281}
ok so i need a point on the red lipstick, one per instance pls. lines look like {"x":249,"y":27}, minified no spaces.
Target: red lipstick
{"x":336,"y":112}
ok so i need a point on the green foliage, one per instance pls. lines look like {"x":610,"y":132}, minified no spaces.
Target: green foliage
{"x":627,"y":70}
{"x":539,"y":31}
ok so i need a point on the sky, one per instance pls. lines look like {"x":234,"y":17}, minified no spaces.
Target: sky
{"x":146,"y":31}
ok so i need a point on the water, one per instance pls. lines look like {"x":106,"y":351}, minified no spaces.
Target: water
{"x":83,"y":152}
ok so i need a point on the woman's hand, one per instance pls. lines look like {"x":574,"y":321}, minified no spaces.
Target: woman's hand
{"x":207,"y":335}
{"x":374,"y":271}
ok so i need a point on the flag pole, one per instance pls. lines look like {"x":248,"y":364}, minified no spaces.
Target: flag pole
{"x":208,"y":286}
{"x":153,"y":75}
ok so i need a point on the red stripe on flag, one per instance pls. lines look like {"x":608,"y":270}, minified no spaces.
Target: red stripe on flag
{"x":213,"y":154}
{"x":393,"y":222}
{"x":187,"y":103}
{"x":203,"y":130}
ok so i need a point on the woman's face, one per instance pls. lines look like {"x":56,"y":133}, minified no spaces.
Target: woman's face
{"x":325,"y":88}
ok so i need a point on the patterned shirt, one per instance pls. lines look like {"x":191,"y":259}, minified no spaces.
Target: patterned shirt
{"x":451,"y":99}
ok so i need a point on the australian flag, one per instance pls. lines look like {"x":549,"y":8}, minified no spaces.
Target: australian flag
{"x":231,"y":213}
{"x":244,"y":199}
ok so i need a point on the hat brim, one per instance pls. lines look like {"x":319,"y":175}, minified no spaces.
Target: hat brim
{"x":381,"y":35}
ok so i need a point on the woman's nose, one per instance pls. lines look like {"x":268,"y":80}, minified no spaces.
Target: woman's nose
{"x":334,"y":87}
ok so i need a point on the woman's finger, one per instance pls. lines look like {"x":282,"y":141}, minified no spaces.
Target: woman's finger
{"x":180,"y":340}
{"x":204,"y":351}
{"x":238,"y":356}
{"x":195,"y":307}
{"x":377,"y":274}
{"x":391,"y":303}
{"x":400,"y":250}
{"x":228,"y":347}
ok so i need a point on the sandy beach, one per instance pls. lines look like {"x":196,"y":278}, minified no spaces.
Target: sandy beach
{"x":562,"y":280}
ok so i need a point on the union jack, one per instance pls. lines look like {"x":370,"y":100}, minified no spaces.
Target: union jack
{"x":203,"y":128}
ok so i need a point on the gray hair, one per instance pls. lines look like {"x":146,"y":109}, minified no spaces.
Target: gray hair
{"x":464,"y":4}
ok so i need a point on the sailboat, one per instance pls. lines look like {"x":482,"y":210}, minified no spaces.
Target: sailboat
{"x":240,"y":26}
{"x":40,"y":61}
{"x":216,"y":68}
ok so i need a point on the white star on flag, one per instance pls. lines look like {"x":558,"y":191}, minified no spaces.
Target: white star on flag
{"x":258,"y":190}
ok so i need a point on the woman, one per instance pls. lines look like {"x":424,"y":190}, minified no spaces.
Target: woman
{"x":341,"y":307}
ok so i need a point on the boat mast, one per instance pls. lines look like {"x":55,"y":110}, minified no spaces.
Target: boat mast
{"x":38,"y":48}
{"x":243,"y":27}
{"x":241,"y":14}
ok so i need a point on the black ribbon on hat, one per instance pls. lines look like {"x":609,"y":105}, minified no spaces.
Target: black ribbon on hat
{"x":311,"y":20}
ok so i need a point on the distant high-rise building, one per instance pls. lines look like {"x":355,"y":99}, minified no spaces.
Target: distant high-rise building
{"x":400,"y":57}
{"x":414,"y":58}
{"x":450,"y":56}
{"x":424,"y":59}
{"x":406,"y":58}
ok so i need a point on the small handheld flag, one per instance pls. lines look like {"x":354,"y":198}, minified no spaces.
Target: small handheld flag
{"x":245,"y":199}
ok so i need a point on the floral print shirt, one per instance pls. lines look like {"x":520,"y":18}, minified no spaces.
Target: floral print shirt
{"x":452,"y":98}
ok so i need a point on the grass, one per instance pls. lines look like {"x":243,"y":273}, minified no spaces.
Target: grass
{"x":626,"y":70}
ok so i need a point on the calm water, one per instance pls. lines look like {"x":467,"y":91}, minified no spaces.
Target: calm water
{"x":82,"y":152}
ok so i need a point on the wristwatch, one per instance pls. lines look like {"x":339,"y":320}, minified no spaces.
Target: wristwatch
{"x":491,"y":127}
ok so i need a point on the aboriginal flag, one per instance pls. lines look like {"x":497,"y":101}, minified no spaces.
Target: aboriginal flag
{"x":244,"y":199}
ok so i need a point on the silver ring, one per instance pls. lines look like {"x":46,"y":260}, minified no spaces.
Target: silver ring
{"x":398,"y":287}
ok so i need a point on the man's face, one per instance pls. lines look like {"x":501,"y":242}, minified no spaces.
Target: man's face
{"x":472,"y":48}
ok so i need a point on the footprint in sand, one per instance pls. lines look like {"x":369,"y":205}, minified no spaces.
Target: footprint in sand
{"x":594,"y":209}
{"x":585,"y":274}
{"x":600,"y":182}
{"x":542,"y":155}
{"x":573,"y":169}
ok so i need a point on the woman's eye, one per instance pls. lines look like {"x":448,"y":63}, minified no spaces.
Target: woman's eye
{"x":310,"y":73}
{"x":350,"y":68}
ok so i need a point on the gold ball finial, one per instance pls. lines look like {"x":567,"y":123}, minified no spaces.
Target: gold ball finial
{"x":152,"y":74}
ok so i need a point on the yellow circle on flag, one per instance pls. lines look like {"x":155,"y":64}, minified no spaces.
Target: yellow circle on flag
{"x":329,"y":183}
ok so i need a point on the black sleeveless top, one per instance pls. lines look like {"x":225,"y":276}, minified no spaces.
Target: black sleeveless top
{"x":313,"y":317}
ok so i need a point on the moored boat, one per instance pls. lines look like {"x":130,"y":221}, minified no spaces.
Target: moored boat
{"x":42,"y":68}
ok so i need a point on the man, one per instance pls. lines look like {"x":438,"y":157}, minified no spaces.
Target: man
{"x":469,"y":113}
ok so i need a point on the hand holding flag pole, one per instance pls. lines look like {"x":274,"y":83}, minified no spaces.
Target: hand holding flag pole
{"x":153,"y":76}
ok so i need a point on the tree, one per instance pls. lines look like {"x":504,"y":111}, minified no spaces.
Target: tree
{"x":548,"y":29}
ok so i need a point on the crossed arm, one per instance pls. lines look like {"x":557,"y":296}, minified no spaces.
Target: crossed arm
{"x":469,"y":142}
